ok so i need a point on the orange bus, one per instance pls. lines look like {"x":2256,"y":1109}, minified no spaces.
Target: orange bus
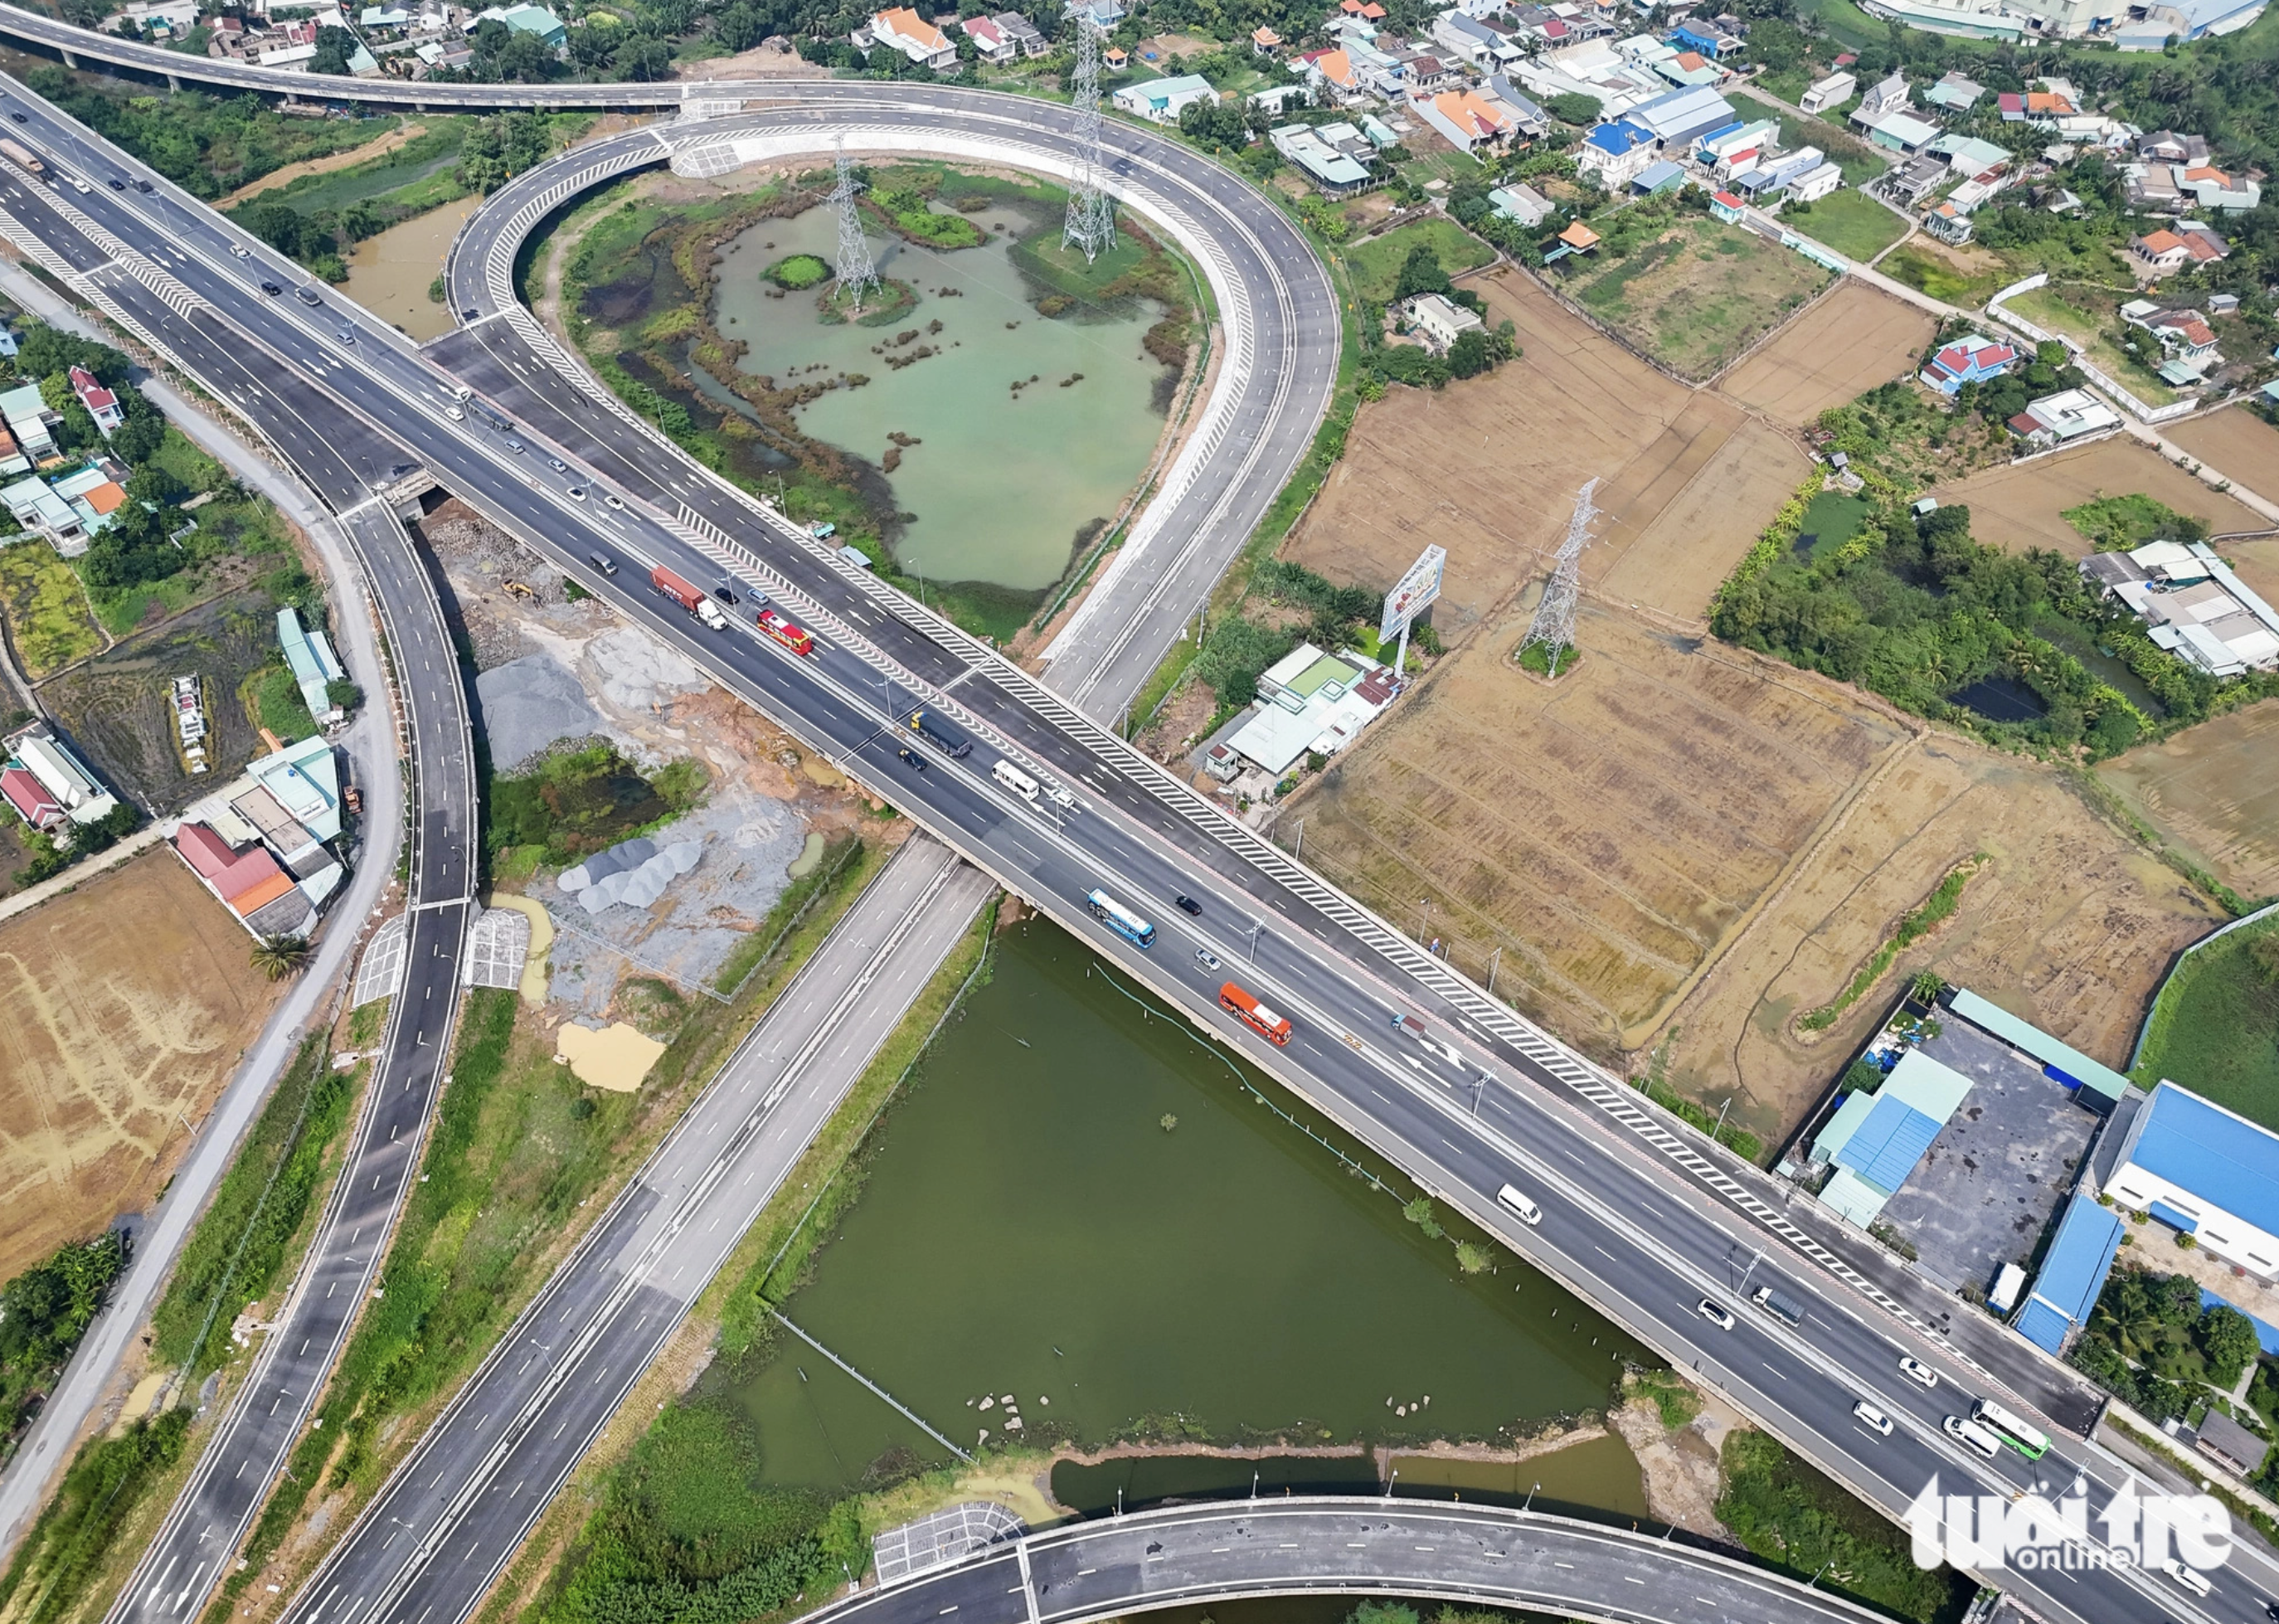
{"x":1232,"y":999}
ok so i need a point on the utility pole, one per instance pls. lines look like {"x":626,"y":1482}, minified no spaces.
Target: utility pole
{"x":1493,"y":963}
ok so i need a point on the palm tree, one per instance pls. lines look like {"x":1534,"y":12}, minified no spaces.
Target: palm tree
{"x":278,"y":957}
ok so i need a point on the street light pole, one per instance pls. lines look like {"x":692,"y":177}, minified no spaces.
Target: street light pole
{"x":1255,"y":926}
{"x":1493,"y":963}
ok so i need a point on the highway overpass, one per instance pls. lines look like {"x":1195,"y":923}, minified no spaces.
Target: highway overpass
{"x":1205,"y":1555}
{"x":1637,"y":1219}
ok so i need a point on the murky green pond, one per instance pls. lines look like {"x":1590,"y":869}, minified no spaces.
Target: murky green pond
{"x":1001,"y":480}
{"x":1031,"y":1227}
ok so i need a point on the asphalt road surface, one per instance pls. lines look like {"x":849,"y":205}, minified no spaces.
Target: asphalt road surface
{"x":1634,"y":1219}
{"x":1196,"y":1556}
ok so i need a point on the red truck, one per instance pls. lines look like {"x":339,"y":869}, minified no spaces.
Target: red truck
{"x":688,"y":597}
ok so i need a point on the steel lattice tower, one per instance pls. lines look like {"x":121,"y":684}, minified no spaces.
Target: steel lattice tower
{"x":853,"y":271}
{"x":1091,"y":211}
{"x":1553,"y":626}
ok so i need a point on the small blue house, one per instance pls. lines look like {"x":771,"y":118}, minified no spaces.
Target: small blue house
{"x":1706,"y":38}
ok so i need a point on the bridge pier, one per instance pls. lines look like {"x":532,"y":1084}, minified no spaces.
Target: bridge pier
{"x":174,"y":82}
{"x":70,"y":61}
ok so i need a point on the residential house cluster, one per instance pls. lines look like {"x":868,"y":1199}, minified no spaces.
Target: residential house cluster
{"x":50,"y":788}
{"x":2192,"y":604}
{"x":1335,"y":157}
{"x":68,"y":509}
{"x":1974,"y":358}
{"x":402,"y":39}
{"x":2188,"y":343}
{"x":2060,"y":418}
{"x":261,"y":845}
{"x":2171,"y":175}
{"x":2186,"y":246}
{"x":1309,"y":702}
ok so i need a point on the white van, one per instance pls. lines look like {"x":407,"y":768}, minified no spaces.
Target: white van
{"x":1527,"y":1211}
{"x":1019,"y":782}
{"x":1972,"y":1436}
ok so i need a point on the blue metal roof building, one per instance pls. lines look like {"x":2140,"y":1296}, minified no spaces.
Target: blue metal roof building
{"x":2071,"y":1276}
{"x":1876,"y":1140}
{"x":2205,"y":1171}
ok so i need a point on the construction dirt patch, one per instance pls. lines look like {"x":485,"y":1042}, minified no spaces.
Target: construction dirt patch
{"x":1606,"y":833}
{"x":1853,"y":341}
{"x":2021,"y":505}
{"x":1488,"y":469}
{"x":130,"y":1003}
{"x":2239,"y":443}
{"x":2212,"y":792}
{"x":2071,"y":924}
{"x":119,"y":706}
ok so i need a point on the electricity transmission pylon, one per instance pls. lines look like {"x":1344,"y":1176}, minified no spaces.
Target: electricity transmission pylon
{"x":853,"y":271}
{"x":1091,"y":211}
{"x":1553,"y":626}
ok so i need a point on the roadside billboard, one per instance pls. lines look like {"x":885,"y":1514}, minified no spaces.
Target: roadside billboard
{"x":1414,"y":593}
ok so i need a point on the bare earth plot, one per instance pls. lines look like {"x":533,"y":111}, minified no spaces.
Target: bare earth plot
{"x":2214,"y":792}
{"x":2020,"y":506}
{"x":2236,"y":441}
{"x":129,"y":1002}
{"x":1489,"y":470}
{"x":1607,"y":832}
{"x":2072,"y":926}
{"x":1853,"y":341}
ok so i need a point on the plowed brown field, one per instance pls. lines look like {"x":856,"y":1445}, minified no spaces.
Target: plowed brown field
{"x":1489,"y":470}
{"x":2021,"y":505}
{"x":128,"y":1003}
{"x":1853,"y":341}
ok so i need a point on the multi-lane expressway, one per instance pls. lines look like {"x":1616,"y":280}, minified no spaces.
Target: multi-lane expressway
{"x":1207,"y":1555}
{"x":1640,"y":1230}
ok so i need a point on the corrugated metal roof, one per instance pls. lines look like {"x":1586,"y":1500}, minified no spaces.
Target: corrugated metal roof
{"x":1843,"y":1125}
{"x":1853,"y":1198}
{"x":2025,"y":1036}
{"x":1929,"y":1086}
{"x":2072,"y":1274}
{"x":1887,"y":1146}
{"x":2043,"y":1325}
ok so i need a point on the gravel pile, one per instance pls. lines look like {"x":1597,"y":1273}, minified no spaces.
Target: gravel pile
{"x":529,"y":704}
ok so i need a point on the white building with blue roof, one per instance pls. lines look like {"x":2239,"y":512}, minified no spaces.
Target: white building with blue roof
{"x":2204,"y":1172}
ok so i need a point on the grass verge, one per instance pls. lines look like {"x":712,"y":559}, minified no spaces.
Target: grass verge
{"x":597,"y":1553}
{"x":2213,"y":1021}
{"x":520,"y":1160}
{"x":1790,"y":1515}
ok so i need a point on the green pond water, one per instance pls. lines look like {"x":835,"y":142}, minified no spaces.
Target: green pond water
{"x":1029,"y":1228}
{"x":1001,"y":481}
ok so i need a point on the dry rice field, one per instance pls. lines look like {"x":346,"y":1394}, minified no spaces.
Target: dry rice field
{"x":2071,"y":925}
{"x":1489,"y":470}
{"x":1853,"y":341}
{"x":2021,"y":505}
{"x":1606,"y":832}
{"x":2212,"y":791}
{"x":2235,"y":442}
{"x":129,"y":1002}
{"x":1679,"y":846}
